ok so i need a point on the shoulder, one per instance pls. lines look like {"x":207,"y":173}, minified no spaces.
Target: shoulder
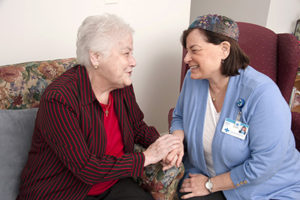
{"x":65,"y":86}
{"x":261,"y":89}
{"x":258,"y":83}
{"x":254,"y":78}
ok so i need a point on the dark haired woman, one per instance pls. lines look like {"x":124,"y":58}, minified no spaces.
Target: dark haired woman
{"x":220,"y":95}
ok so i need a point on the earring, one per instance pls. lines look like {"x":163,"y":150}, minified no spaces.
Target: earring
{"x":96,"y":66}
{"x":222,"y":61}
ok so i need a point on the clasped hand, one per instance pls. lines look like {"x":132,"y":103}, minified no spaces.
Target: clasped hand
{"x":168,"y":149}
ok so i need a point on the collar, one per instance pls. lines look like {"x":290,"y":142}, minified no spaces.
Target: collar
{"x":86,"y":93}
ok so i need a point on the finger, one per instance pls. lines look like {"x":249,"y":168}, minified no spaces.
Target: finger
{"x":179,"y":160}
{"x":167,"y":144}
{"x":167,"y":148}
{"x":166,"y":167}
{"x":187,"y":196}
{"x":185,"y":189}
{"x":173,"y":162}
{"x":186,"y":183}
{"x":171,"y":156}
{"x":169,"y":165}
{"x":172,"y":138}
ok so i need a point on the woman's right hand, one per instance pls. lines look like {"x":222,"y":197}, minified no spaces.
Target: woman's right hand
{"x":175,"y":156}
{"x":160,"y":148}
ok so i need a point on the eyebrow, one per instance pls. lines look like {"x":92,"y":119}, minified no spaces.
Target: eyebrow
{"x":127,"y":48}
{"x":194,"y":45}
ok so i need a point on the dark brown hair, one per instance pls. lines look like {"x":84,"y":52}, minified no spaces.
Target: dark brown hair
{"x":236,"y":59}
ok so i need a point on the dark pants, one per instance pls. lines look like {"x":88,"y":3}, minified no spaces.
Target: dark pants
{"x":124,"y":189}
{"x":213,"y":196}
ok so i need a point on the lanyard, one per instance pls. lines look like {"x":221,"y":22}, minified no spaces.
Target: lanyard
{"x":240,"y":104}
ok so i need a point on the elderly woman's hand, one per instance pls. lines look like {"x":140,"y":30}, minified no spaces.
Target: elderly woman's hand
{"x":194,"y":186}
{"x":160,"y":148}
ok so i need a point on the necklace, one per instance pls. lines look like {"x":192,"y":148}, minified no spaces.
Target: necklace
{"x":107,"y":107}
{"x":213,"y":99}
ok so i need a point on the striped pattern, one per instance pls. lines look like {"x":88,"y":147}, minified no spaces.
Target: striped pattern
{"x":67,"y":155}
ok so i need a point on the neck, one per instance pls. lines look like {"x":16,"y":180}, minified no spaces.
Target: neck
{"x":100,"y":87}
{"x":218,"y":85}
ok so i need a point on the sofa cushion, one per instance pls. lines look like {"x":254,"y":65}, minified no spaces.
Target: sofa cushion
{"x":15,"y":139}
{"x":22,"y":85}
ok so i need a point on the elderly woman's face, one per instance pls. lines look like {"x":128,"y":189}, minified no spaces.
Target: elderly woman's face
{"x":117,"y":67}
{"x":203,"y":58}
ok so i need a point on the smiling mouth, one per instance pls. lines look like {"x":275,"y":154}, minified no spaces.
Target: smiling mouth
{"x":194,"y":66}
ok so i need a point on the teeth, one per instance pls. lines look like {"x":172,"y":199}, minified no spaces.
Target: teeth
{"x":193,"y":67}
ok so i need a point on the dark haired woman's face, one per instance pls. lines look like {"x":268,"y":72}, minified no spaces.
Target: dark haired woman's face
{"x":203,"y":58}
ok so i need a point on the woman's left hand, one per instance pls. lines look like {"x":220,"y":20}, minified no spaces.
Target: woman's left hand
{"x":194,"y":186}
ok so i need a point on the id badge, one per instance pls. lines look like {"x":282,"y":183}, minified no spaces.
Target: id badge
{"x":235,"y":128}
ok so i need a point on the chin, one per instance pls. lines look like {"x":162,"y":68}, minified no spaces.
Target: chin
{"x":127,"y":83}
{"x":196,"y":76}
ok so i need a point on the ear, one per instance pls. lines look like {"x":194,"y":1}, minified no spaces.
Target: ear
{"x":94,"y":58}
{"x":225,"y":46}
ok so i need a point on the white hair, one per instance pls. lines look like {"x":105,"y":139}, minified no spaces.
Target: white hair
{"x":98,"y":34}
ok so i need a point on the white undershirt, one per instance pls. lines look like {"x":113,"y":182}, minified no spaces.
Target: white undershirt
{"x":210,"y":124}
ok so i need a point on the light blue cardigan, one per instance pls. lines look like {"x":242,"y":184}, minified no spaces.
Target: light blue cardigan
{"x":266,"y":164}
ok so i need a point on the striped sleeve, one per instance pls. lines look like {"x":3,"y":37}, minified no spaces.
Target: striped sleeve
{"x":61,"y":130}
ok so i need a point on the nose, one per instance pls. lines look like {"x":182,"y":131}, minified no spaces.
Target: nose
{"x":132,"y":61}
{"x":187,"y":58}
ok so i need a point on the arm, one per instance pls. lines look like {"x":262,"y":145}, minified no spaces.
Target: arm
{"x":268,"y":143}
{"x":59,"y":127}
{"x":269,"y":130}
{"x":195,"y":184}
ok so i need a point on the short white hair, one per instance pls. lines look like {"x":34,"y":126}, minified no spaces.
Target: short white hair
{"x":98,"y":34}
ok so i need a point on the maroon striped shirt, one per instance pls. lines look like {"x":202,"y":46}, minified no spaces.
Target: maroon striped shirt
{"x":67,"y":154}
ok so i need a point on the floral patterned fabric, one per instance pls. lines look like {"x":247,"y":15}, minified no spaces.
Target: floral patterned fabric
{"x":21,"y":85}
{"x":161,"y":184}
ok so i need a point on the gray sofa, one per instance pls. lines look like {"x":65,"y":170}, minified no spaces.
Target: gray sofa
{"x":21,"y":86}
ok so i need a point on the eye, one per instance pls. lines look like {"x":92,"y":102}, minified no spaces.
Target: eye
{"x":195,"y":50}
{"x":127,"y":53}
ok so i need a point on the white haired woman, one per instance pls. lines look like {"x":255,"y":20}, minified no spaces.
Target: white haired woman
{"x":88,"y":122}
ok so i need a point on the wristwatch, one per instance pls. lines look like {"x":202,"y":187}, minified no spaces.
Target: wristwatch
{"x":209,"y":185}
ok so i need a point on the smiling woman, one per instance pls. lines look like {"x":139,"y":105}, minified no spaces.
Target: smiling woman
{"x":88,"y":122}
{"x":235,"y":122}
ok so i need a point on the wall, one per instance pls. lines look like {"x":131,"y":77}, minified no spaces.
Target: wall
{"x":277,"y":15}
{"x":246,"y":11}
{"x":283,"y":15}
{"x":40,"y":30}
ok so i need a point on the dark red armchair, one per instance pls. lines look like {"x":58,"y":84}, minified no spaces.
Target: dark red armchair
{"x":276,"y":55}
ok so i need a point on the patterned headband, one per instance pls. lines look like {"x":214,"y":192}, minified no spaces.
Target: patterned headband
{"x":218,"y":24}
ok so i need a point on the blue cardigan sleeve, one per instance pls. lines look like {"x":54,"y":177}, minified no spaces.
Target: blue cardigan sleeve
{"x":177,"y":121}
{"x":269,"y":122}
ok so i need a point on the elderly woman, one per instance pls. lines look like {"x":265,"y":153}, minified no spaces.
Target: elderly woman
{"x":221,"y":94}
{"x":88,"y":122}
